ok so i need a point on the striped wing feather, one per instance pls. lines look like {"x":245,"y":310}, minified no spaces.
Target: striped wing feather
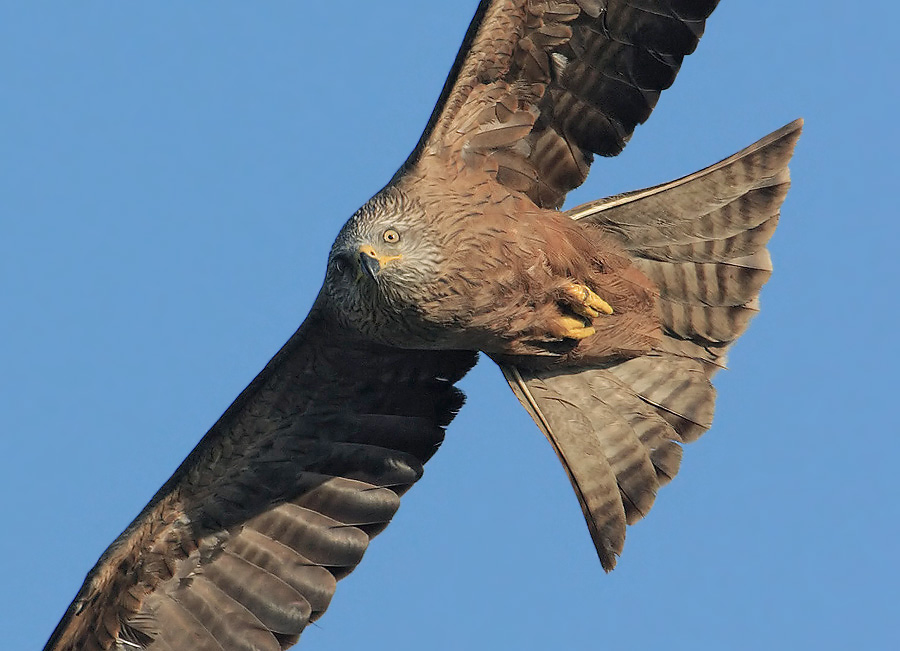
{"x":540,"y":86}
{"x":701,"y":239}
{"x":243,"y":546}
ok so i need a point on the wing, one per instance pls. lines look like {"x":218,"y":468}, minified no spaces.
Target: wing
{"x":540,"y":86}
{"x":242,"y":547}
{"x":618,"y":428}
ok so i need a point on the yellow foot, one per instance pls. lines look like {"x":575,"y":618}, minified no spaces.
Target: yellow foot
{"x":585,"y":302}
{"x":568,"y":327}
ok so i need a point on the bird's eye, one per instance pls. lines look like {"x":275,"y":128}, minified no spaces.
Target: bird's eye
{"x":391,"y":236}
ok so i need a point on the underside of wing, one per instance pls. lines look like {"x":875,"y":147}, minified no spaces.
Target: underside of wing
{"x":618,"y":428}
{"x":243,"y":546}
{"x":540,"y":86}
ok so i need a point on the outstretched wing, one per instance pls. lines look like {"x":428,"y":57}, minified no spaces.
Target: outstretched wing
{"x":618,"y":428}
{"x":540,"y":86}
{"x":242,"y":547}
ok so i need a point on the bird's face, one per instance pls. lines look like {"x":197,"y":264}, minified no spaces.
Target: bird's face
{"x":382,"y":265}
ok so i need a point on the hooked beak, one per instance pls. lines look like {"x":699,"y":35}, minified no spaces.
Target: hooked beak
{"x":371,"y":263}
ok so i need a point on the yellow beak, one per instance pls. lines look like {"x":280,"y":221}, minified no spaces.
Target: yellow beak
{"x":371,"y":263}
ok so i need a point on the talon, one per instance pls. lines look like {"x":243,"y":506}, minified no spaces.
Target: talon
{"x":568,"y":327}
{"x":585,"y":302}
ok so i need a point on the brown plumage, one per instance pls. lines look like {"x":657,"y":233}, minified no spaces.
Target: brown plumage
{"x":608,"y":322}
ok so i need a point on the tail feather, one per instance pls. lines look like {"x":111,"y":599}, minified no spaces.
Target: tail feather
{"x":722,"y":249}
{"x":651,"y":429}
{"x":730,"y":282}
{"x":714,"y":324}
{"x":572,"y":436}
{"x":677,"y":387}
{"x":618,"y":428}
{"x":697,"y":206}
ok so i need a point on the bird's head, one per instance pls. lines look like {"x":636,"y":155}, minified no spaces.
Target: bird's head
{"x":383,"y":262}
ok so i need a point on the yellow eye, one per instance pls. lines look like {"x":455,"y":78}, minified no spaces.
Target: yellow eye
{"x":391,"y":236}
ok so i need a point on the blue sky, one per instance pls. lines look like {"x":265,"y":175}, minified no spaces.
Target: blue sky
{"x":171,"y":177}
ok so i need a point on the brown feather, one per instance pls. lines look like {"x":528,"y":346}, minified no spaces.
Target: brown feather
{"x":278,"y":606}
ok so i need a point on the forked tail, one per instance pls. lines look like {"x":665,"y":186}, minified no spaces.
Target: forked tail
{"x":618,"y":428}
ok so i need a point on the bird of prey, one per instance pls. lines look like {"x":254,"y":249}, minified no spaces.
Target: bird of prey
{"x":607,"y":320}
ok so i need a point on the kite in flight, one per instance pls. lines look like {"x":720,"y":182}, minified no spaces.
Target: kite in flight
{"x":607,"y":320}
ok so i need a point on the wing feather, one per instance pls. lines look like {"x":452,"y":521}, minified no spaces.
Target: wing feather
{"x":182,"y":630}
{"x":540,"y":86}
{"x":314,"y":582}
{"x":227,"y":621}
{"x":243,"y":546}
{"x":278,"y":606}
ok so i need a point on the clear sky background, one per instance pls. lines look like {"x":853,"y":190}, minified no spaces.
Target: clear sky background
{"x":171,"y":177}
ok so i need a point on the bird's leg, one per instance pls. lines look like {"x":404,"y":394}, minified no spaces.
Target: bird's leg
{"x":582,"y":300}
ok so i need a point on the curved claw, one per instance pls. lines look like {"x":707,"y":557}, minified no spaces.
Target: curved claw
{"x":569,"y":327}
{"x":585,"y":302}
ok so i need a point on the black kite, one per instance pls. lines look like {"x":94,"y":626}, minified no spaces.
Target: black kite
{"x":608,"y":321}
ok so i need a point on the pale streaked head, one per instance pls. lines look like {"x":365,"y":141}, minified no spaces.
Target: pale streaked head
{"x":382,"y":264}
